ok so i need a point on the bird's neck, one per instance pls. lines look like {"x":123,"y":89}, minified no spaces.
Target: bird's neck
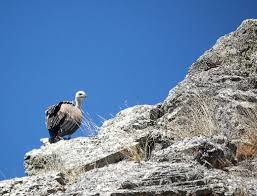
{"x":78,"y":102}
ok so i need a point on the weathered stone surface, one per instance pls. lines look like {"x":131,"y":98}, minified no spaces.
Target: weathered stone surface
{"x":147,"y":177}
{"x":222,"y":79}
{"x":187,"y":145}
{"x":116,"y":136}
{"x":174,"y":169}
{"x":209,"y":152}
{"x":45,"y":184}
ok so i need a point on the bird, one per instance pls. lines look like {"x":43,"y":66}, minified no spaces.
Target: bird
{"x":64,"y":118}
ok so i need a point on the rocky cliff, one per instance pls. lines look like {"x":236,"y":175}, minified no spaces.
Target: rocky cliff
{"x":201,"y":140}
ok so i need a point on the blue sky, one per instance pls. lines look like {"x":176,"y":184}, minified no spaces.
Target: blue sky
{"x":122,"y":53}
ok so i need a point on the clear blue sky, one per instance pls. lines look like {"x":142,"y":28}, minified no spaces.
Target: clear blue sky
{"x":119,"y":51}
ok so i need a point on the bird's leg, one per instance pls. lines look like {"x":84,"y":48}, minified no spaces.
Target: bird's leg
{"x":54,"y":137}
{"x":51,"y":140}
{"x":68,"y":137}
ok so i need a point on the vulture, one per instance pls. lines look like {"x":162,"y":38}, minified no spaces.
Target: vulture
{"x":64,"y":118}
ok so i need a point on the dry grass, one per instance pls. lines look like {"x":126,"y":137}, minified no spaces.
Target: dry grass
{"x":2,"y":175}
{"x":88,"y":126}
{"x":245,"y":151}
{"x":200,"y":118}
{"x":248,"y":121}
{"x":241,"y":191}
{"x":142,"y":150}
{"x":52,"y":163}
{"x":247,"y":147}
{"x":202,"y":113}
{"x":133,"y":153}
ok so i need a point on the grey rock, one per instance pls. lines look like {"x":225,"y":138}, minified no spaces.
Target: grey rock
{"x":45,"y":184}
{"x":180,"y":173}
{"x":221,"y":80}
{"x":204,"y":150}
{"x":129,"y":123}
{"x":186,"y":145}
{"x":116,"y":138}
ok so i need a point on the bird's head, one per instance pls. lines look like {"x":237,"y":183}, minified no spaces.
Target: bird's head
{"x":80,"y":95}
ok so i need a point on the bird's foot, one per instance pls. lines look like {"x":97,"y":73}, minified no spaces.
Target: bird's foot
{"x":55,"y":139}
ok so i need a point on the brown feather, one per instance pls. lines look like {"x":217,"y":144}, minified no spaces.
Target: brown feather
{"x":63,"y":118}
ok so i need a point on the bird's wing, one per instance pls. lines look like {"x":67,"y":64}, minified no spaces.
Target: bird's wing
{"x":72,"y":119}
{"x":54,"y":117}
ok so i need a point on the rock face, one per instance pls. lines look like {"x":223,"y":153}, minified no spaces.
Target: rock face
{"x":191,"y":144}
{"x":221,"y":81}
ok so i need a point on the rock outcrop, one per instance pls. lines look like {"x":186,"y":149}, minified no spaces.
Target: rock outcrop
{"x":222,"y":81}
{"x":199,"y":141}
